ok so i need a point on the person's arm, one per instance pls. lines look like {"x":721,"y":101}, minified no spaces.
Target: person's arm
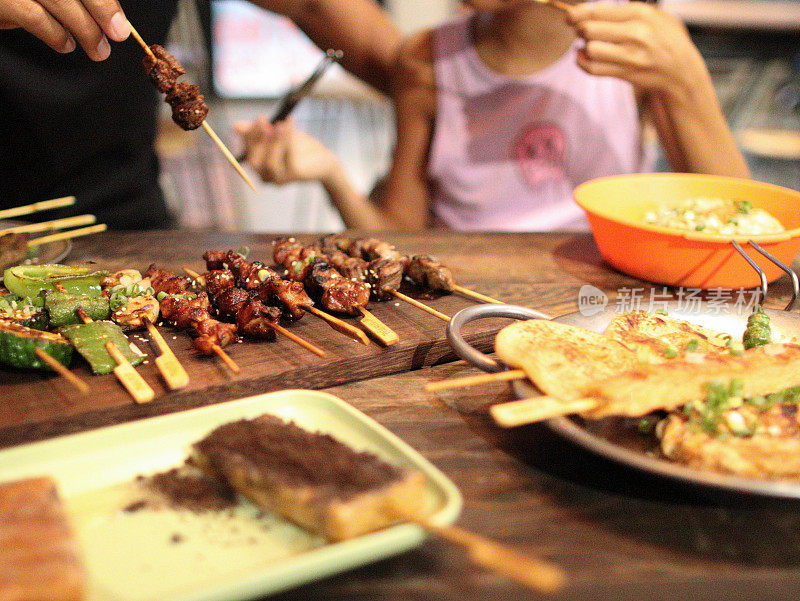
{"x":59,"y":23}
{"x":360,"y":28}
{"x":281,"y":154}
{"x":653,"y":51}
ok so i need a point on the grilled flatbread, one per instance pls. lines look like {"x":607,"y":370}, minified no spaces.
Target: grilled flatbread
{"x":762,"y":370}
{"x":560,"y":359}
{"x":652,"y":335}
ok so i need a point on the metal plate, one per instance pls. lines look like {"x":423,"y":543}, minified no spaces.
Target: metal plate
{"x":618,"y":439}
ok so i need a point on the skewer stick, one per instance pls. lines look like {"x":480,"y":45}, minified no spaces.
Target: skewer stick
{"x":130,"y":378}
{"x":383,"y":333}
{"x":68,"y":234}
{"x":476,"y":295}
{"x":537,"y":409}
{"x":419,"y":305}
{"x":169,"y":366}
{"x":55,"y":224}
{"x":338,"y":324}
{"x":126,"y":374}
{"x":500,"y":376}
{"x":528,"y":571}
{"x":295,"y":338}
{"x":43,"y":205}
{"x":226,"y":358}
{"x":141,"y":41}
{"x":62,"y":371}
{"x":228,"y":154}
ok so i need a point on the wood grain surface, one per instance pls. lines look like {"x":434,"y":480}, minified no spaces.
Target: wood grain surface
{"x":618,"y":533}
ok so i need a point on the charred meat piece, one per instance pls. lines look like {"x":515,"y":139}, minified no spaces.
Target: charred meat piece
{"x":352,"y":268}
{"x":287,"y":293}
{"x":230,"y":302}
{"x":189,"y":108}
{"x":336,"y":292}
{"x":215,"y":259}
{"x":218,"y":281}
{"x":428,"y":272}
{"x":256,"y":319}
{"x":184,"y":312}
{"x":163,"y":70}
{"x":166,"y":281}
{"x":245,"y":272}
{"x":378,"y":249}
{"x":384,"y":275}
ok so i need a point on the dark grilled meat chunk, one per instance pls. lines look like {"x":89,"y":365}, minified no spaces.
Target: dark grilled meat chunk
{"x":384,"y":275}
{"x":378,"y":249}
{"x":163,"y":70}
{"x":218,"y":281}
{"x":189,"y":108}
{"x":287,"y":293}
{"x":352,"y":268}
{"x":185,"y":312}
{"x":166,"y":281}
{"x":230,"y":302}
{"x":245,"y":272}
{"x":336,"y":292}
{"x":256,"y":319}
{"x":429,"y":272}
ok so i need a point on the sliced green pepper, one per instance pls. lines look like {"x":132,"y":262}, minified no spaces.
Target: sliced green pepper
{"x":31,"y":280}
{"x":90,"y":341}
{"x":18,"y":344}
{"x":61,"y":307}
{"x":758,"y":332}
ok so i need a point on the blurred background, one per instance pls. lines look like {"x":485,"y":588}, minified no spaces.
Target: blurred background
{"x":244,"y":59}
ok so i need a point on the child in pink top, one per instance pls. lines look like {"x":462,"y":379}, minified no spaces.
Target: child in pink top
{"x":502,"y":112}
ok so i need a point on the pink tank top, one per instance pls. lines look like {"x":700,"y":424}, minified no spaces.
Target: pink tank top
{"x":507,"y":152}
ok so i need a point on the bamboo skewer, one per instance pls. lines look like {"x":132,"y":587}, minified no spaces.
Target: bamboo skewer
{"x":68,"y":234}
{"x":130,"y":378}
{"x":55,"y":224}
{"x":295,"y":338}
{"x":126,"y":374}
{"x":62,"y":371}
{"x":338,"y":324}
{"x":534,"y":573}
{"x":537,"y":409}
{"x":220,"y":352}
{"x":476,"y":295}
{"x":500,"y":376}
{"x":419,"y":305}
{"x":169,"y":366}
{"x":383,"y":333}
{"x":228,"y":155}
{"x":35,"y":207}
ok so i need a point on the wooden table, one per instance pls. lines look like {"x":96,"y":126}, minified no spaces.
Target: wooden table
{"x":619,"y":534}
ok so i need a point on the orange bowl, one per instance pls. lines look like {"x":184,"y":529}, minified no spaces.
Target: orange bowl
{"x":616,"y":207}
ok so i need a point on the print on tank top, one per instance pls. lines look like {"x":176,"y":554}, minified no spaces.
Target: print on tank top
{"x":539,"y":151}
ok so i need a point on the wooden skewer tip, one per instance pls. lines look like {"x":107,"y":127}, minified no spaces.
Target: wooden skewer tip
{"x":226,"y":359}
{"x":62,"y":371}
{"x":228,"y":154}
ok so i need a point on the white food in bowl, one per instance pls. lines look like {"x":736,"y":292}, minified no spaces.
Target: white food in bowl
{"x":713,"y":215}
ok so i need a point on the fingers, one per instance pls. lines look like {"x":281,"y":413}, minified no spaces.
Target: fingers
{"x":32,"y":17}
{"x":60,"y":23}
{"x":606,"y":11}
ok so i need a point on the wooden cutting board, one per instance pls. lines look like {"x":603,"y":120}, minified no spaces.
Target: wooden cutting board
{"x":265,"y":366}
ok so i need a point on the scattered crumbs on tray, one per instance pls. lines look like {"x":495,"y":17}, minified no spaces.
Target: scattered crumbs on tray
{"x":178,"y":539}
